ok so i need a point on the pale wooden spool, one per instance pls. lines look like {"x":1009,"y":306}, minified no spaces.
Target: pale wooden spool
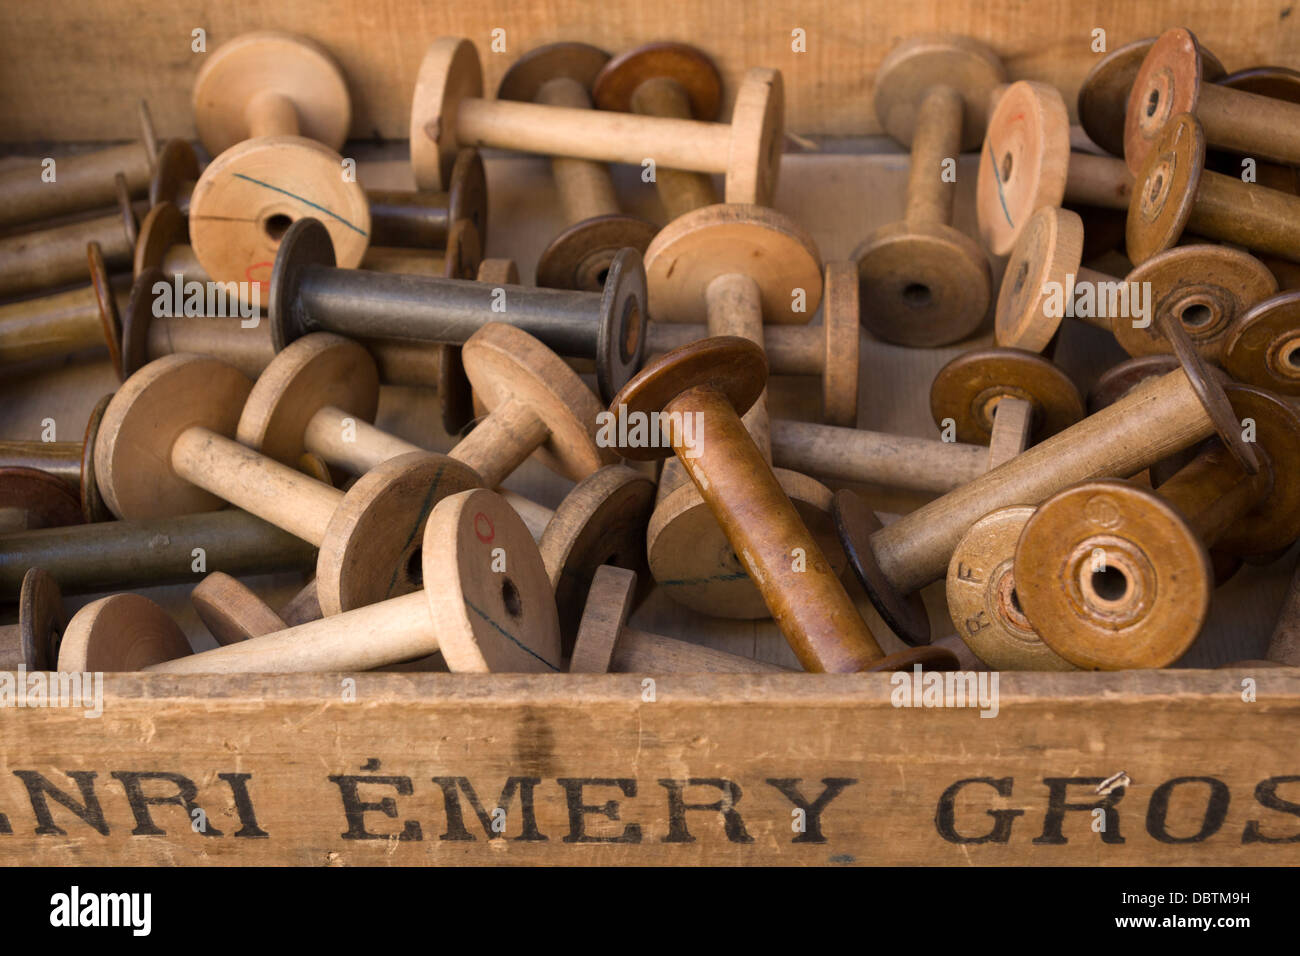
{"x":449,"y":112}
{"x":275,"y":108}
{"x":162,"y":450}
{"x":480,"y":620}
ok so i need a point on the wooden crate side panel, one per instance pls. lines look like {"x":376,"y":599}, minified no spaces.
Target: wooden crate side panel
{"x":74,"y":69}
{"x":284,"y":769}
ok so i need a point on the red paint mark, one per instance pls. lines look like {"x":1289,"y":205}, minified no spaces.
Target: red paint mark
{"x":268,"y":266}
{"x":491,"y":529}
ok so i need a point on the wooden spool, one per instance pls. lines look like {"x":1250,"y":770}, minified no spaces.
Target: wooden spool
{"x":829,"y":350}
{"x":1005,"y":398}
{"x":1104,"y":93}
{"x":66,"y":322}
{"x":33,"y":642}
{"x":1145,"y":426}
{"x":561,"y":75}
{"x":122,"y":632}
{"x":877,"y":458}
{"x":1026,"y":164}
{"x":54,"y":257}
{"x":1263,"y":346}
{"x":719,"y":379}
{"x":1203,"y":287}
{"x":671,"y":81}
{"x":480,"y":619}
{"x":88,"y":558}
{"x":30,"y":499}
{"x":924,"y":283}
{"x":81,"y":182}
{"x":1143,"y":603}
{"x":1171,"y":82}
{"x":732,"y":267}
{"x":606,"y":644}
{"x":74,"y":462}
{"x":449,"y":113}
{"x":984,"y":603}
{"x":163,"y":450}
{"x":273,"y":109}
{"x":1174,"y":192}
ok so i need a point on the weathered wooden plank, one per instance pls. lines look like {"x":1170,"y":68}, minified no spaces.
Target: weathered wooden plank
{"x":1213,"y":779}
{"x":56,"y":56}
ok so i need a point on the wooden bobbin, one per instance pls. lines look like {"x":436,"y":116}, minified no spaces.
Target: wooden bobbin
{"x":672,"y":81}
{"x":1263,"y":346}
{"x":1174,"y":192}
{"x":73,"y":462}
{"x":123,"y":554}
{"x":982,"y":597}
{"x":717,"y":379}
{"x":1204,"y":287}
{"x":600,"y":521}
{"x":310,"y":293}
{"x":561,"y":75}
{"x":398,"y":217}
{"x":163,"y":450}
{"x":53,"y":257}
{"x":81,"y":182}
{"x":1005,"y":398}
{"x":66,"y":322}
{"x":481,"y":619}
{"x":30,"y":498}
{"x":275,"y":108}
{"x":1145,"y":426}
{"x":1171,"y":82}
{"x":606,"y":644}
{"x":1104,"y":94}
{"x":33,"y":642}
{"x":732,"y":266}
{"x":1114,"y":575}
{"x":924,"y":283}
{"x":122,"y":632}
{"x":829,"y":350}
{"x":879,"y":458}
{"x":449,"y":112}
{"x":161,"y":247}
{"x":1026,"y":164}
{"x":230,"y":611}
{"x":1275,"y":82}
{"x":320,"y":393}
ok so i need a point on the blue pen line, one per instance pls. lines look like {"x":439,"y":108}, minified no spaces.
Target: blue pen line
{"x":998,"y":179}
{"x":510,"y":637}
{"x":301,"y":199}
{"x":425,"y":507}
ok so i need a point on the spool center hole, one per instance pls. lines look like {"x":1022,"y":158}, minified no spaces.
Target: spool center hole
{"x":277,"y":225}
{"x":1157,"y":187}
{"x":1006,"y":166}
{"x":415,"y":569}
{"x":1197,"y":316}
{"x":1015,"y":601}
{"x":917,"y":295}
{"x":510,"y":598}
{"x":1110,"y":584}
{"x":1153,"y":102}
{"x":1291,"y":356}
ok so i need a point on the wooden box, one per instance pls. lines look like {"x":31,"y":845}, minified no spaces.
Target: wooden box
{"x":1191,"y":765}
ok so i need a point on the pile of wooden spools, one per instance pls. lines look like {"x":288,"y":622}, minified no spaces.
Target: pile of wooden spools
{"x":1072,"y":533}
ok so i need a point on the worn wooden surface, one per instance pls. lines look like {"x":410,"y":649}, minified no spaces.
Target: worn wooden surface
{"x":54,"y":56}
{"x":299,"y":753}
